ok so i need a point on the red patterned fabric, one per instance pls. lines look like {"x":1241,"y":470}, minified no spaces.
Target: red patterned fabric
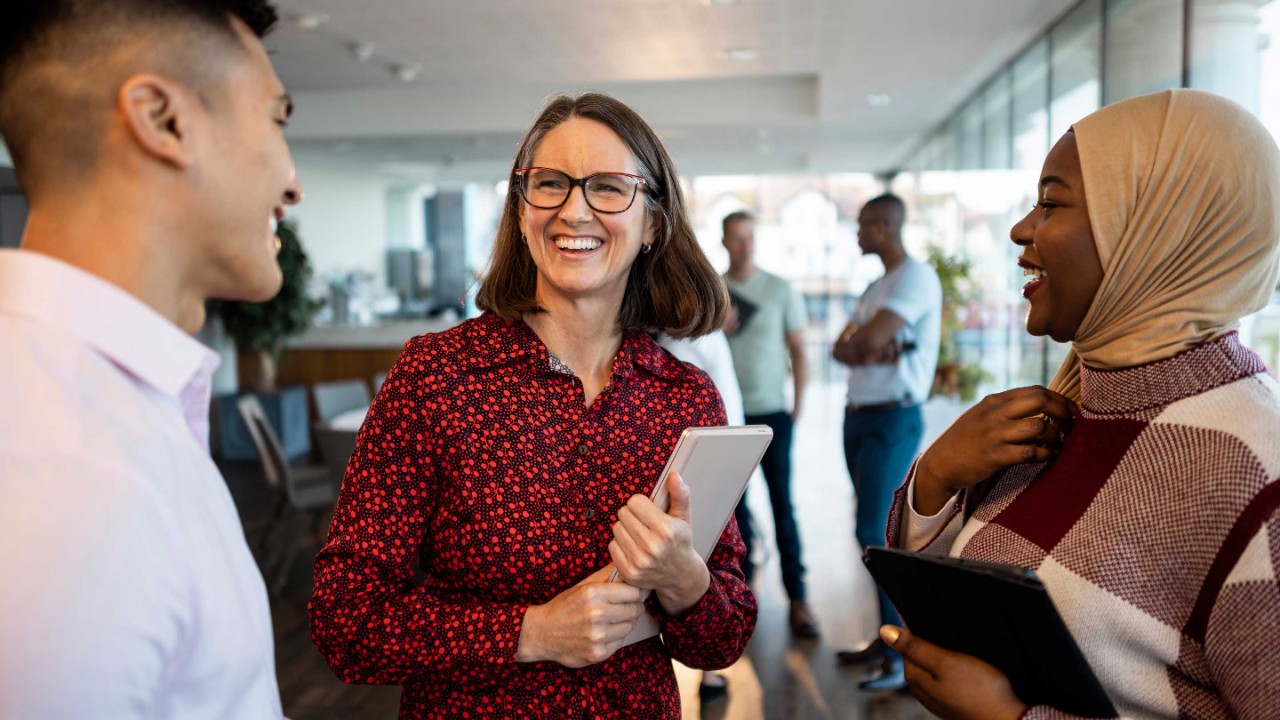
{"x":1157,"y":534}
{"x":480,"y":465}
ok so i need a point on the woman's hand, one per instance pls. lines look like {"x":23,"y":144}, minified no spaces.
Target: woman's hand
{"x":951,"y":685}
{"x":1009,"y":428}
{"x":653,"y":549}
{"x":582,"y":625}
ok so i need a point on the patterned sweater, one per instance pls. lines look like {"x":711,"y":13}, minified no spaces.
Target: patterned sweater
{"x":1156,"y":532}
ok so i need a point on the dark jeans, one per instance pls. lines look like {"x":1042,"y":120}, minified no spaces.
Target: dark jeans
{"x":776,"y":465}
{"x":878,"y":448}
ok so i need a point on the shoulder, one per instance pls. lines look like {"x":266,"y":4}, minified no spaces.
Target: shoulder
{"x":472,"y":344}
{"x":663,"y":366}
{"x":1240,"y":419}
{"x":920,"y":272}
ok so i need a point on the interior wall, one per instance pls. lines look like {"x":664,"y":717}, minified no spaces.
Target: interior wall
{"x":342,"y":220}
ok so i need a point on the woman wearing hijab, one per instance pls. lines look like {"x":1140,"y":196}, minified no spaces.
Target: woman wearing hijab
{"x":1142,"y":487}
{"x":509,"y":460}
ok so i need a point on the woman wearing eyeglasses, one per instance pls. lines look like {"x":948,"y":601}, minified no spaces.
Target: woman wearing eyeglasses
{"x":509,"y":460}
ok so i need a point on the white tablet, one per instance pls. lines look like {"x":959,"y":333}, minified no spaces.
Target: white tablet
{"x":716,"y":463}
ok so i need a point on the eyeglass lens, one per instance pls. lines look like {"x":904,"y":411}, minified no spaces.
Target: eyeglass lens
{"x":605,"y":192}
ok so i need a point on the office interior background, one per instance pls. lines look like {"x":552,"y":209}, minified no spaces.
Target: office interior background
{"x":408,"y":114}
{"x":797,"y":110}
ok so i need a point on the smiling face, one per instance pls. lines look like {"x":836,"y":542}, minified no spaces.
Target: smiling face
{"x":581,"y":253}
{"x":1059,"y":254}
{"x":248,"y":176}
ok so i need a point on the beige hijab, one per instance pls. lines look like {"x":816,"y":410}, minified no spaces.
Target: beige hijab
{"x":1184,"y":198}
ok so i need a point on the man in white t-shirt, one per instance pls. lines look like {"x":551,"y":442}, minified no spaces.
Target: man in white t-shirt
{"x":891,"y":348}
{"x":148,"y":138}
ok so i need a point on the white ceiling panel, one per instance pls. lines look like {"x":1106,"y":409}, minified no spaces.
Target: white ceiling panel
{"x":486,"y":65}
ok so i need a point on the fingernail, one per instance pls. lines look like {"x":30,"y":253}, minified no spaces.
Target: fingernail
{"x":890,"y":634}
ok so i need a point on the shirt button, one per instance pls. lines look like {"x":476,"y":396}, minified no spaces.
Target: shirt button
{"x":582,"y":449}
{"x":589,"y":513}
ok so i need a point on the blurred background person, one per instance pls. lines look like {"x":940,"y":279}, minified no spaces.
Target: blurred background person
{"x":891,"y":348}
{"x":766,"y":335}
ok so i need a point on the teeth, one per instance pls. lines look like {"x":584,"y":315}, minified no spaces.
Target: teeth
{"x":1037,"y":273}
{"x":577,"y":243}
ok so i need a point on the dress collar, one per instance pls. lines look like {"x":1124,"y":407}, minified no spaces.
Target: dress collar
{"x":638,"y":351}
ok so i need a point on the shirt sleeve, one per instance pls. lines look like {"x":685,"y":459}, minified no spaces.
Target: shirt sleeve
{"x":370,"y":619}
{"x":97,"y":609}
{"x":797,"y":318}
{"x":714,"y":632}
{"x":908,"y":530}
{"x":920,"y":530}
{"x":916,"y":294}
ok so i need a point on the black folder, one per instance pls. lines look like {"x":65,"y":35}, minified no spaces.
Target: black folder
{"x":999,"y":613}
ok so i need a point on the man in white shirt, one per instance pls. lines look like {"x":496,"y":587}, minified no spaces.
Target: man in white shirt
{"x":891,"y":348}
{"x":147,"y":136}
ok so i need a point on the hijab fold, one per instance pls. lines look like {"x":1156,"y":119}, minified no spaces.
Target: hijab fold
{"x":1183,"y":189}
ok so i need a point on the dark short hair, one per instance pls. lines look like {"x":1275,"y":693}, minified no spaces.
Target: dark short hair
{"x":888,"y":201}
{"x":733,"y":217}
{"x":672,"y":288}
{"x":56,"y":74}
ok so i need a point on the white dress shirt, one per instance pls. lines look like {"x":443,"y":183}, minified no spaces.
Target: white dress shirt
{"x":711,"y":354}
{"x":126,"y":586}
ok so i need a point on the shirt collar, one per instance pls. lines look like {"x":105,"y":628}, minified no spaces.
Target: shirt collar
{"x":116,"y":324}
{"x":638,"y":350}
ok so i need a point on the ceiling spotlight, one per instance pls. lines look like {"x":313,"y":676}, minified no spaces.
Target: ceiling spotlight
{"x":309,"y":21}
{"x":879,"y":99}
{"x":741,"y":54}
{"x":407,"y":72}
{"x":362,"y":51}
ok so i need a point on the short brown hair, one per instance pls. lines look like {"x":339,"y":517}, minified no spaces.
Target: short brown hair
{"x":672,"y":288}
{"x":733,"y":217}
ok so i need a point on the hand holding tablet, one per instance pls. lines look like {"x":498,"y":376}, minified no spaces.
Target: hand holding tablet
{"x":715,"y":463}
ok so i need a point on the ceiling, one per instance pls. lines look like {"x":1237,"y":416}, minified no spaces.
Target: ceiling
{"x":485,"y":66}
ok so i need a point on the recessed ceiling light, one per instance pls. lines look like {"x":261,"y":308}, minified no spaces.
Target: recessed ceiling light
{"x":309,"y":21}
{"x":407,"y":72}
{"x":879,"y":99}
{"x":741,"y":54}
{"x":362,"y":51}
{"x":721,"y":2}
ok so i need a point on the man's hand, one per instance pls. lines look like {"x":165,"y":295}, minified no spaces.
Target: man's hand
{"x":951,"y":685}
{"x":653,"y":549}
{"x":583,"y":625}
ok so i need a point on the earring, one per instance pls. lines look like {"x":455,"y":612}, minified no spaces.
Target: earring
{"x":524,"y":239}
{"x":646,"y":248}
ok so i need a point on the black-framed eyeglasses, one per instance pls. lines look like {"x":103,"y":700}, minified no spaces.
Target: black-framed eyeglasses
{"x":606,"y":192}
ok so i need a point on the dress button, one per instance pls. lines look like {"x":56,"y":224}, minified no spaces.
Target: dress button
{"x":582,"y":449}
{"x":589,"y":513}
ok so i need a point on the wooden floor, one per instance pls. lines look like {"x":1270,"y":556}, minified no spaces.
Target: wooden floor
{"x":779,"y":677}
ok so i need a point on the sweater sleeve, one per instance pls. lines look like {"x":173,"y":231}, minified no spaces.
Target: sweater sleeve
{"x":1242,"y":638}
{"x":370,"y":619}
{"x":908,"y":530}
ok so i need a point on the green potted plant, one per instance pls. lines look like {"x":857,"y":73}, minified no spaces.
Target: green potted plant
{"x":259,"y":329}
{"x":953,"y":376}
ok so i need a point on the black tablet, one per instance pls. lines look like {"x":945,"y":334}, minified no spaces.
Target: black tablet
{"x":999,"y":613}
